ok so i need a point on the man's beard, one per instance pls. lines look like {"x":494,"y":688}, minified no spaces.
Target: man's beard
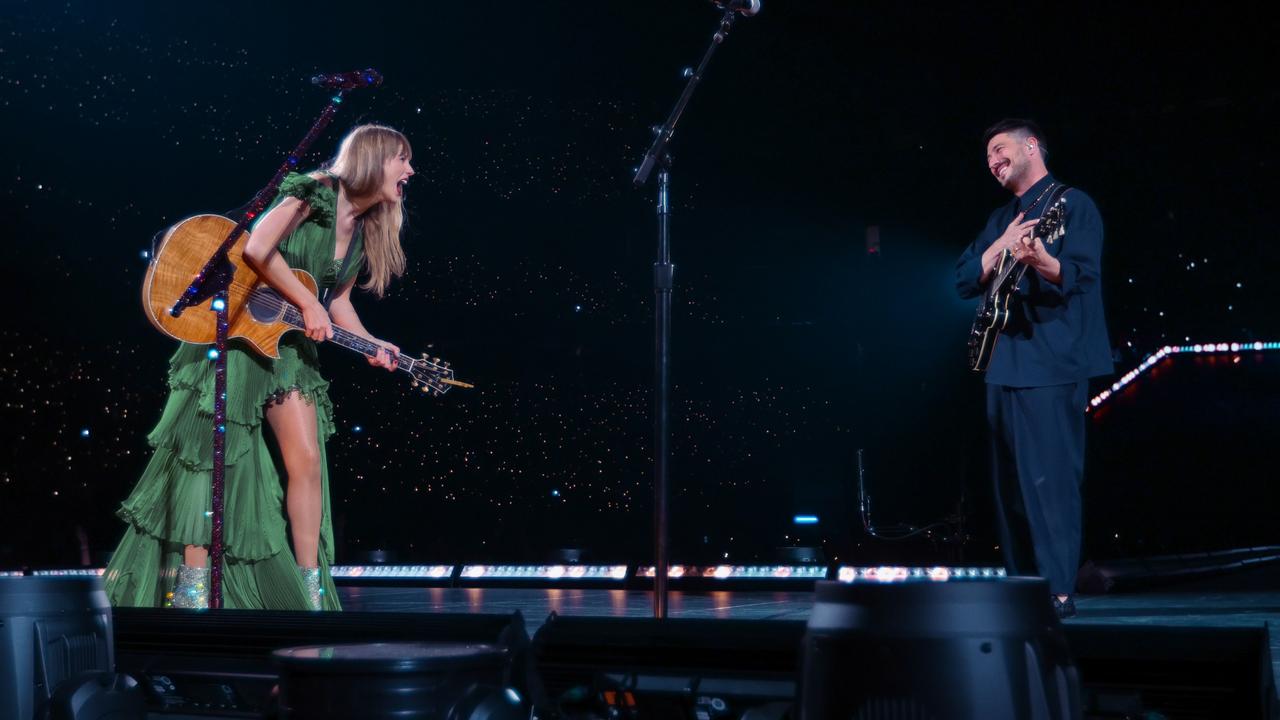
{"x":1017,"y":171}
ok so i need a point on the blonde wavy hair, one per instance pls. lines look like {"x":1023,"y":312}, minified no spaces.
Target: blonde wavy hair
{"x":358,"y":165}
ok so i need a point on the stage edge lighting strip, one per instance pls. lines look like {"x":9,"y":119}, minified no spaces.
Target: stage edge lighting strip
{"x":408,"y":572}
{"x":741,"y":572}
{"x":544,"y":572}
{"x":892,"y":573}
{"x":1164,"y":352}
{"x":73,"y":572}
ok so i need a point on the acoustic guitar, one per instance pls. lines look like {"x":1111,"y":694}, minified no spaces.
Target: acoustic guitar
{"x":256,"y":313}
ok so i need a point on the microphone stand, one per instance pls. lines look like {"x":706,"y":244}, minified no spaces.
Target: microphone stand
{"x":663,"y":281}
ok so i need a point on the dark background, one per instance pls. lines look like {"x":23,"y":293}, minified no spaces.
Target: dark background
{"x":530,"y":260}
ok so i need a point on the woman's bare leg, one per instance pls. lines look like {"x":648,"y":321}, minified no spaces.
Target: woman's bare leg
{"x":195,"y":556}
{"x":293,"y":421}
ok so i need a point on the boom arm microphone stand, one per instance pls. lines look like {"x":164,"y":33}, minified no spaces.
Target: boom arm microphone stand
{"x":663,"y":281}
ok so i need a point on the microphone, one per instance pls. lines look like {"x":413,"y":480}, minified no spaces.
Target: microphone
{"x":349,"y":80}
{"x":746,"y":8}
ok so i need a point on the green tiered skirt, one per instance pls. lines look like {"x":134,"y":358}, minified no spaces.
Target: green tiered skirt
{"x":171,"y":505}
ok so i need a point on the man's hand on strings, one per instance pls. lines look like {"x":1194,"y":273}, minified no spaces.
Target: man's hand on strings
{"x":1031,"y":252}
{"x":1028,"y":250}
{"x":1008,"y":240}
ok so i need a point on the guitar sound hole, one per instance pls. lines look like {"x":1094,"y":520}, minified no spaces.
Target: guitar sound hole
{"x":266,"y":305}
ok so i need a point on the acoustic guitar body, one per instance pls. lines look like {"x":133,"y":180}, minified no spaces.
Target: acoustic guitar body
{"x":181,"y":255}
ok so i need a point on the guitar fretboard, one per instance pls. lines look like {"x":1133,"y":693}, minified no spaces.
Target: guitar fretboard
{"x":348,"y":339}
{"x":1010,"y":265}
{"x":1050,"y":224}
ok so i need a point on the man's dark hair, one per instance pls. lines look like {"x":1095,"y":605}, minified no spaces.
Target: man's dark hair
{"x":1020,"y":127}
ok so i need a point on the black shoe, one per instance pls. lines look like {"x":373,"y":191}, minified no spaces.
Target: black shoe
{"x":1065,"y":606}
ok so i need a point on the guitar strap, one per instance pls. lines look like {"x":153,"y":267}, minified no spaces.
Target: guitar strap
{"x":326,"y":297}
{"x":1055,"y":194}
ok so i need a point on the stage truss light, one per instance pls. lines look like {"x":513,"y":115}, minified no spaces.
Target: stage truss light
{"x":555,"y":573}
{"x":898,"y":574}
{"x":740,"y":572}
{"x":1169,"y":350}
{"x":392,"y":572}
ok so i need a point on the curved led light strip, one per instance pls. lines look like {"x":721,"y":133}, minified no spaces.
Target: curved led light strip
{"x":1166,"y":351}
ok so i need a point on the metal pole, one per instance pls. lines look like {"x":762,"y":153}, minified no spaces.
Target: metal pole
{"x":658,"y":158}
{"x":663,"y":276}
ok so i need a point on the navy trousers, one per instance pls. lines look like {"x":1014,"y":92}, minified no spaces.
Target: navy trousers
{"x":1037,"y":461}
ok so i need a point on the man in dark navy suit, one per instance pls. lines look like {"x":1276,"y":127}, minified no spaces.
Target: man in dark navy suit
{"x":1038,"y":375}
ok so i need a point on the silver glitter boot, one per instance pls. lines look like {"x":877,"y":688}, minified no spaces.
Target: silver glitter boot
{"x":192,"y":589}
{"x":311,"y":581}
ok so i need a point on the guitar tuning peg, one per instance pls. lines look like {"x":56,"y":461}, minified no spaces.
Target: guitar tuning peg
{"x":413,"y":384}
{"x":426,"y":388}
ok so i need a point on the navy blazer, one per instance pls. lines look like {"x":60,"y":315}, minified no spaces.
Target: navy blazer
{"x":1057,"y":334}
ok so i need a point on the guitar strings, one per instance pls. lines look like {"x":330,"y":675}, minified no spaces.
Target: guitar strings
{"x":1014,"y":266}
{"x":278,"y":304}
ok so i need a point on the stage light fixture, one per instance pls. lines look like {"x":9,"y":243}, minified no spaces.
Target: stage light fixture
{"x":57,"y":654}
{"x":224,"y":659}
{"x":396,"y":680}
{"x":974,"y":650}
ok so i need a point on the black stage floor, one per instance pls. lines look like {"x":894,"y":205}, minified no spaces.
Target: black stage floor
{"x":1241,"y":600}
{"x":1197,"y":649}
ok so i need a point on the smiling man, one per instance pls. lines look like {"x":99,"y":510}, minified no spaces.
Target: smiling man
{"x":1038,"y":374}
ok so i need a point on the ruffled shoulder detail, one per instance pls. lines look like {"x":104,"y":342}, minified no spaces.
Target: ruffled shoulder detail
{"x":314,"y":193}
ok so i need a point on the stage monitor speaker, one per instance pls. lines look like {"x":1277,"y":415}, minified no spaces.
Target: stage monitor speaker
{"x":219,"y":663}
{"x":396,"y":681}
{"x":645,"y":668}
{"x":55,"y":637}
{"x":971,"y":650}
{"x":1201,"y":673}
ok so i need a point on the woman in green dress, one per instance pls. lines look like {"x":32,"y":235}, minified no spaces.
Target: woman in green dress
{"x":354,"y":204}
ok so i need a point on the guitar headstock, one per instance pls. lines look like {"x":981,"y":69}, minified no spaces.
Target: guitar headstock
{"x":1051,"y":224}
{"x":432,"y":375}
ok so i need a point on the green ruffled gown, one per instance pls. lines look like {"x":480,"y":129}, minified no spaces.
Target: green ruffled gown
{"x":170,"y":506}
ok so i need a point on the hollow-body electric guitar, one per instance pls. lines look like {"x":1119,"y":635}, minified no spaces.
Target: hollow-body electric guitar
{"x":256,"y":313}
{"x":993,"y":310}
